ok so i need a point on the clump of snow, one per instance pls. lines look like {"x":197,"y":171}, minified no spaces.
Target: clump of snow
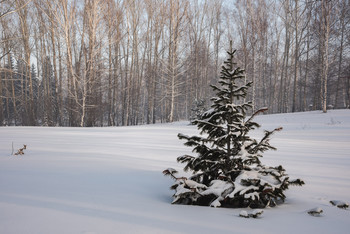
{"x":254,"y":214}
{"x":340,"y":204}
{"x":244,"y":214}
{"x":194,"y":184}
{"x":315,"y":211}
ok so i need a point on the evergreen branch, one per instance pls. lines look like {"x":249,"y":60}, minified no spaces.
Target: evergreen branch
{"x":262,"y":143}
{"x":208,"y":123}
{"x":257,"y":112}
{"x":297,"y":182}
{"x":170,"y":172}
{"x":185,"y":158}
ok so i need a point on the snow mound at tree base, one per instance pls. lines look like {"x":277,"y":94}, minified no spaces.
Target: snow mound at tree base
{"x":257,"y":188}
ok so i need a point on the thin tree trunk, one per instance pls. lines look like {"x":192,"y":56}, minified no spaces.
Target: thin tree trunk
{"x":342,"y":23}
{"x":296,"y":56}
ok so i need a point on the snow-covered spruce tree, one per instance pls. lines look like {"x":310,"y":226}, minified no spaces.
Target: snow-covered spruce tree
{"x":227,"y":171}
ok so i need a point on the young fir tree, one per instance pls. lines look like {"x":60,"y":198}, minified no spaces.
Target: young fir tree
{"x":227,"y":170}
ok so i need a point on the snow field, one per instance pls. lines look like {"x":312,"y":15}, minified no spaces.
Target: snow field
{"x":109,"y":180}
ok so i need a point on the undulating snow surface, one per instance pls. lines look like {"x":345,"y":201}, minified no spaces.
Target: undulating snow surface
{"x":109,"y":180}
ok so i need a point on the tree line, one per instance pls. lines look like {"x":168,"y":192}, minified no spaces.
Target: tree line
{"x":123,"y":62}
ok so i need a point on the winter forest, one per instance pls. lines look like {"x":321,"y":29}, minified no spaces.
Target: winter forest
{"x":114,"y":62}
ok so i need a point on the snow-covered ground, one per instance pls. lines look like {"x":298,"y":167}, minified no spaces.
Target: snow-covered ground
{"x":109,"y":180}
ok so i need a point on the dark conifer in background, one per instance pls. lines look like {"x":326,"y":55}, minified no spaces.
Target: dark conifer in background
{"x":197,"y":110}
{"x":227,"y":170}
